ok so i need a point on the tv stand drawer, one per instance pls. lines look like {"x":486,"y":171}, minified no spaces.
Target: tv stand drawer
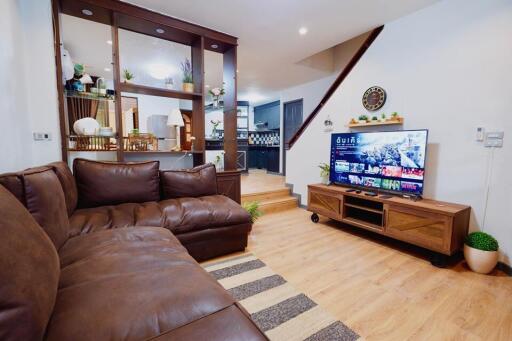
{"x":325,"y":203}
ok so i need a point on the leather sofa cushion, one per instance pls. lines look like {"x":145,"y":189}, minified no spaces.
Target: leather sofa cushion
{"x":196,"y":182}
{"x":68,"y":184}
{"x":29,"y":273}
{"x":12,"y":182}
{"x":105,"y":183}
{"x":46,"y":202}
{"x":229,"y":324}
{"x":178,"y":215}
{"x":130,"y":284}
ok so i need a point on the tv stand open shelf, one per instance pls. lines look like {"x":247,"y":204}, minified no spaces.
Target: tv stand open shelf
{"x":434,"y":225}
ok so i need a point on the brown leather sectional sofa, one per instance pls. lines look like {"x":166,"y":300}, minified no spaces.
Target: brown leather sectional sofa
{"x":108,"y":254}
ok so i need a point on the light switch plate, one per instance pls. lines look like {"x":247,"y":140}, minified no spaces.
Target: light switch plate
{"x":494,"y":139}
{"x":42,"y":136}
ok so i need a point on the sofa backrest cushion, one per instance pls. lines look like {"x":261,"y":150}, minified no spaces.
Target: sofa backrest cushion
{"x":109,"y":183}
{"x":46,"y":202}
{"x":12,"y":182}
{"x":29,"y":273}
{"x":68,"y":184}
{"x":196,"y":182}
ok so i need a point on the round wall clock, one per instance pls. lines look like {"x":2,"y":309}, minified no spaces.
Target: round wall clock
{"x":374,"y":98}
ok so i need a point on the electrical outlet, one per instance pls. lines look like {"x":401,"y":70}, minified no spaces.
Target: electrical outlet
{"x":42,"y":136}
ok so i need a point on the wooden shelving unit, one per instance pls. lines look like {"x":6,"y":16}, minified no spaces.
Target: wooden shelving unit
{"x":160,"y":92}
{"x":121,"y":15}
{"x":376,"y":124}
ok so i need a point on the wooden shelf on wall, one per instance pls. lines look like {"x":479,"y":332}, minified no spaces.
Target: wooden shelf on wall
{"x":375,"y":124}
{"x":152,"y":91}
{"x":161,"y":152}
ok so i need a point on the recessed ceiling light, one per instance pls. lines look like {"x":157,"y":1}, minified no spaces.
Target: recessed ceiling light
{"x":303,"y":31}
{"x":87,"y":12}
{"x":160,"y":30}
{"x":107,"y":69}
{"x":109,"y":42}
{"x":214,"y":46}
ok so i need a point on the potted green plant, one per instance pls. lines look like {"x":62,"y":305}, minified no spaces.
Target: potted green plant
{"x":186,"y":68}
{"x":253,"y":207}
{"x":325,"y":170}
{"x":128,"y":76}
{"x":481,"y":252}
{"x":383,"y":117}
{"x":363,"y":119}
{"x":375,"y":119}
{"x":395,"y":117}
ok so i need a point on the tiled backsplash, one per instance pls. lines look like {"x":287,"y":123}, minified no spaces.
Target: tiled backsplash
{"x":264,"y":137}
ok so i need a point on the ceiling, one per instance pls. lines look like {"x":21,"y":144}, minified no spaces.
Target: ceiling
{"x":270,"y":47}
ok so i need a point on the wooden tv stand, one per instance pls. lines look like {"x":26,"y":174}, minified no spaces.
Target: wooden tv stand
{"x":434,"y":225}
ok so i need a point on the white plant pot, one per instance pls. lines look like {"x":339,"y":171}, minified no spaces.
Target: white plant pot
{"x":325,"y":180}
{"x":362,"y":122}
{"x":480,"y":261}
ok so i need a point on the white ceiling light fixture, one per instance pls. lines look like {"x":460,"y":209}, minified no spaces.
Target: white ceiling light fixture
{"x":303,"y":30}
{"x":160,"y":30}
{"x":87,"y":12}
{"x":109,"y":42}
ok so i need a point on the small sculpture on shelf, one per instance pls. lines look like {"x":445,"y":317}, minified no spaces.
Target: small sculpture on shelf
{"x":186,"y":68}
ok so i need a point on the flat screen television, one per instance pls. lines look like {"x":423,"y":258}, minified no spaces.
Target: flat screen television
{"x":391,"y":161}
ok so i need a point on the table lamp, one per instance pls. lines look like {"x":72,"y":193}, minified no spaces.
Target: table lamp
{"x":176,"y":120}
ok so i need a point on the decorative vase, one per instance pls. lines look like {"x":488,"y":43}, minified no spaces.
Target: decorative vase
{"x":216,"y":102}
{"x":480,"y":261}
{"x":128,"y":81}
{"x":188,"y":87}
{"x":325,"y":179}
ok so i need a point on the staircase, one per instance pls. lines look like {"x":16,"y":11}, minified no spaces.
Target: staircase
{"x":272,"y":201}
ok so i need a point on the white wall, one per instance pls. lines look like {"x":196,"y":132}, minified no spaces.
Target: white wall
{"x":446,"y":68}
{"x":28,"y":94}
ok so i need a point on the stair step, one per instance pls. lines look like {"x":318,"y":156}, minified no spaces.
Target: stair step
{"x":266,"y":195}
{"x":278,"y":204}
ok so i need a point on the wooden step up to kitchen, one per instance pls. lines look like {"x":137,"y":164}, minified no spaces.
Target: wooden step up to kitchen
{"x":272,"y":201}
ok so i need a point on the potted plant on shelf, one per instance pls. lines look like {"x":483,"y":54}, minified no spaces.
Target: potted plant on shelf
{"x":481,"y":252}
{"x":395,"y":117}
{"x":375,"y":119}
{"x":363,"y":119}
{"x":325,"y":170}
{"x":383,"y":117}
{"x":215,"y":133}
{"x":128,"y":76}
{"x":186,"y":68}
{"x":253,"y":208}
{"x":216,"y":93}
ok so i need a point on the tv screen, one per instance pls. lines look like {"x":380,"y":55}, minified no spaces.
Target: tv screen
{"x":389,"y":161}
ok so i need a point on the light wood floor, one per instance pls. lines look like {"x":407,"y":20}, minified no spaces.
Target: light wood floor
{"x":258,"y":180}
{"x":380,"y":288}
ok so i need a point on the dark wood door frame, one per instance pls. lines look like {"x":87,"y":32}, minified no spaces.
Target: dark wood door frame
{"x":284,"y":128}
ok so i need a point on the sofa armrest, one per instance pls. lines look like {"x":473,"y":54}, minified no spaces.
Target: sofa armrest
{"x":196,"y":182}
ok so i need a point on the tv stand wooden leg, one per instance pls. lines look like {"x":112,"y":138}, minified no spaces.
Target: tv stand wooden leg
{"x":315,"y":218}
{"x":438,"y":259}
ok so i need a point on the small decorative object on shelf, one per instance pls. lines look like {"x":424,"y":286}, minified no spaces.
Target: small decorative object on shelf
{"x":325,"y":170}
{"x":481,"y":252}
{"x":192,"y":143}
{"x":186,"y":68}
{"x":328,"y":124}
{"x":363,"y":119}
{"x":169,"y":83}
{"x":383,"y":117}
{"x":215,"y":133}
{"x":374,"y":119}
{"x":216,"y":93}
{"x":86,"y":126}
{"x":219,"y":161}
{"x":128,"y":76}
{"x":140,"y":142}
{"x":352,"y":121}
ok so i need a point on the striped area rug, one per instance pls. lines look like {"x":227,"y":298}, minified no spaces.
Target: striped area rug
{"x":275,"y":306}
